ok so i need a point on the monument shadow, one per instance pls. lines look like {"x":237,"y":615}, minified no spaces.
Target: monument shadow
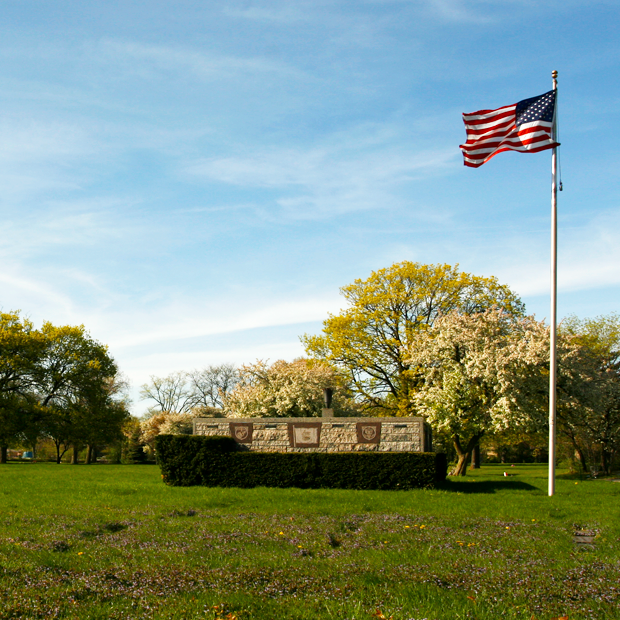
{"x":485,"y":486}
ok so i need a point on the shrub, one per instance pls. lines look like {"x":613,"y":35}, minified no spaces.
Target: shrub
{"x":215,"y":461}
{"x":133,"y":448}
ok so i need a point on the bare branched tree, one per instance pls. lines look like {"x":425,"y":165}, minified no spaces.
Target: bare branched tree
{"x":210,"y":385}
{"x":182,"y":392}
{"x":173,"y":393}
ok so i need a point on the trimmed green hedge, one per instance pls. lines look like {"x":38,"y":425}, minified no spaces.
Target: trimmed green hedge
{"x":188,"y":460}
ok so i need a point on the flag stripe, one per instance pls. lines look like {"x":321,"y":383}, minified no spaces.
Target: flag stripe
{"x":523,"y":137}
{"x":484,"y":114}
{"x":480,"y":131}
{"x":489,"y":122}
{"x":476,"y":163}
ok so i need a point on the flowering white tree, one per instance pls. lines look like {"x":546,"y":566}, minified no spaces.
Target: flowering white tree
{"x":488,"y":372}
{"x":166,"y":423}
{"x":286,"y":389}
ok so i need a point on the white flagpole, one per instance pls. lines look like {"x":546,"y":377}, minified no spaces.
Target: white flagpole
{"x":554,"y":287}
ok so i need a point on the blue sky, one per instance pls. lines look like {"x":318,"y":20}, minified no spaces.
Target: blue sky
{"x":194,"y":181}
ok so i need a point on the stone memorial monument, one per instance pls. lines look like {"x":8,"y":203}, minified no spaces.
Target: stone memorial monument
{"x":326,"y":434}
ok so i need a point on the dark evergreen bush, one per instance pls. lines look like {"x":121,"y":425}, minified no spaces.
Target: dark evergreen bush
{"x":215,"y":461}
{"x":132,"y":451}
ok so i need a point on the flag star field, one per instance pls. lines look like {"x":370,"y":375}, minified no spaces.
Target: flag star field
{"x":536,"y":109}
{"x":194,"y":181}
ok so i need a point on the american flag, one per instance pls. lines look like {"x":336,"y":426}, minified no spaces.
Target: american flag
{"x":524,"y":126}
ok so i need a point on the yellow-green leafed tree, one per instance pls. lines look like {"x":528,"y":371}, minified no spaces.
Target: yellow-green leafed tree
{"x":599,"y":424}
{"x":367,"y":341}
{"x":74,"y":382}
{"x":21,"y":347}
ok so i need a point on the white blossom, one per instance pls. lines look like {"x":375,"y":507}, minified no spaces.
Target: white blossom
{"x":286,"y":389}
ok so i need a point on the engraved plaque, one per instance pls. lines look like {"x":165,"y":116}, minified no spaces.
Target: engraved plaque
{"x":368,"y":432}
{"x":241,"y":432}
{"x":304,"y":434}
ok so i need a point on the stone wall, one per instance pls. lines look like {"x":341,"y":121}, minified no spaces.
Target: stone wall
{"x":321,"y":434}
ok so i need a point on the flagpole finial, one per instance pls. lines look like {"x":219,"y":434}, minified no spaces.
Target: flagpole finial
{"x":554,"y":75}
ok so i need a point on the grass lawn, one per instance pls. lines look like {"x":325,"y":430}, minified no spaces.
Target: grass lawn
{"x":107,"y":541}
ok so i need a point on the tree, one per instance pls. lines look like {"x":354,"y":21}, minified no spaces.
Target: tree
{"x":181,"y":392}
{"x":11,"y":422}
{"x":100,"y":413}
{"x":171,"y":393}
{"x":57,"y":381}
{"x":165,"y":423}
{"x":21,"y":347}
{"x":468,"y":364}
{"x":59,"y":427}
{"x":598,"y":423}
{"x":211,"y":385}
{"x":72,"y":381}
{"x":368,"y":340}
{"x":287,"y":389}
{"x":489,"y":372}
{"x":133,"y":446}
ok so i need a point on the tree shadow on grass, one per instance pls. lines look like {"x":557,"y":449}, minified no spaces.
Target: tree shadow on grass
{"x":485,"y":486}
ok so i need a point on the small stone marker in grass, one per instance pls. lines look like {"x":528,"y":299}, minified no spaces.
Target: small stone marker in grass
{"x":584,"y":539}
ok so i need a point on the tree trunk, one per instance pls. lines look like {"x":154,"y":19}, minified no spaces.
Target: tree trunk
{"x":605,"y":460}
{"x":464,"y":454}
{"x":75,"y":455}
{"x":581,"y":455}
{"x":475,"y":458}
{"x":3,"y":454}
{"x":461,"y":465}
{"x":90,"y":454}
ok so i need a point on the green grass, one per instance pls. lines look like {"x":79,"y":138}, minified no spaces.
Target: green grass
{"x":108,"y":541}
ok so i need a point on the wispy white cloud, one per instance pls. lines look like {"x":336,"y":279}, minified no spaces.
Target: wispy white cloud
{"x":40,"y":155}
{"x":459,"y":11}
{"x":27,"y":293}
{"x":64,"y":225}
{"x":282,"y":13}
{"x":149,"y":61}
{"x":588,"y":258}
{"x":347,"y":173}
{"x":27,"y":139}
{"x":185,"y":318}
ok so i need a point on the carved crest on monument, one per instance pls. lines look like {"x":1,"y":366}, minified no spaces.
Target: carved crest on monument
{"x":368,"y":432}
{"x":304,"y":434}
{"x":241,"y":432}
